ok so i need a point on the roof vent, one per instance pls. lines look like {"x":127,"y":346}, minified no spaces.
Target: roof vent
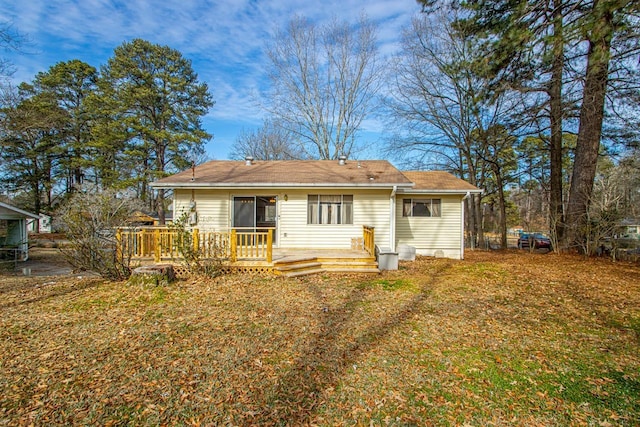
{"x":342,"y":160}
{"x":248,"y":160}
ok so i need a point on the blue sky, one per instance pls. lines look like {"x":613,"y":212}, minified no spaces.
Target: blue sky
{"x":224,"y":39}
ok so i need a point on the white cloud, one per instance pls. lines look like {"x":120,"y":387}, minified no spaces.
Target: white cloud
{"x":224,"y":39}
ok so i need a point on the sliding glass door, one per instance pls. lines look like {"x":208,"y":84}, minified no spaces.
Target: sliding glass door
{"x":255,"y":213}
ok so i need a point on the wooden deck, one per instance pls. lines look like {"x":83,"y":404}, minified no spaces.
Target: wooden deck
{"x":248,"y":252}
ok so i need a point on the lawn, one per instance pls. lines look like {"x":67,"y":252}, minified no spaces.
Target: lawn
{"x":501,"y":338}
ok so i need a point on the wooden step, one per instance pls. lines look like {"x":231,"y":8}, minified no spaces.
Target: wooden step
{"x":347,"y":264}
{"x":297,"y":266}
{"x":298,"y":273}
{"x":372,"y":270}
{"x":326,"y":260}
{"x":294,"y":260}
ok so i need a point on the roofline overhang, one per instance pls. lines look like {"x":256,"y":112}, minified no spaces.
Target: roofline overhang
{"x":19,"y":211}
{"x":412,"y":191}
{"x":205,"y":185}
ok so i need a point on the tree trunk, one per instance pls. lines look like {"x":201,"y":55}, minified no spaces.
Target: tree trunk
{"x":502,"y":206}
{"x":477,"y":207}
{"x":160,"y":206}
{"x":590,"y":129}
{"x":471,"y":223}
{"x":556,"y":213}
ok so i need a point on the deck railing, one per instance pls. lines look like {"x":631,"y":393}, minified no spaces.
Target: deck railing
{"x":238,"y":244}
{"x":161,"y":243}
{"x":368,"y":239}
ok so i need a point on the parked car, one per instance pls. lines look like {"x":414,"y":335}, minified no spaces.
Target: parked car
{"x":537,"y":240}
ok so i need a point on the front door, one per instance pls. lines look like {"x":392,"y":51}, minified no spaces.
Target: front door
{"x":255,"y":213}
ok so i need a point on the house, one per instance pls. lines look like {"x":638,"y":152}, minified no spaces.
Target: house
{"x":324,"y":204}
{"x":630,"y":228}
{"x":42,"y":225}
{"x":13,"y":232}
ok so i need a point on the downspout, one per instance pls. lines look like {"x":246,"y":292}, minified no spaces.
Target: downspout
{"x":462,"y":223}
{"x":392,"y":215}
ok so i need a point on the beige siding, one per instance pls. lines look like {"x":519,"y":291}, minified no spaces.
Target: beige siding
{"x":429,"y":234}
{"x":212,"y":206}
{"x":370,"y":207}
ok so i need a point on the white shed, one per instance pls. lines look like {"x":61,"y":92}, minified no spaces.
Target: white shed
{"x":14,"y":237}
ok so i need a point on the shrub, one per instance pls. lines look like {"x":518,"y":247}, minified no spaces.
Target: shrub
{"x":197,"y":258}
{"x":90,"y":219}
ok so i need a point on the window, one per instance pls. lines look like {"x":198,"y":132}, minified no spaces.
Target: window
{"x":330,"y":209}
{"x":421,"y":207}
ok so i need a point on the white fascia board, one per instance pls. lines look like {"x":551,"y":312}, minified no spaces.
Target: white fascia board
{"x":19,"y":211}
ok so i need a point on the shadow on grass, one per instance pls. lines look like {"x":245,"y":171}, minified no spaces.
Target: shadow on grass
{"x":297,"y":395}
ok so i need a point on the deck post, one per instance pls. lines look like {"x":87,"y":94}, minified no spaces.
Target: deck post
{"x":156,"y":242}
{"x":369,"y":239}
{"x":196,"y":240}
{"x":269,"y":245}
{"x":119,"y":245}
{"x":234,"y":245}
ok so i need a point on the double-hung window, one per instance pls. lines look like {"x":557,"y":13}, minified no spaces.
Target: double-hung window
{"x":330,"y":209}
{"x":421,"y":207}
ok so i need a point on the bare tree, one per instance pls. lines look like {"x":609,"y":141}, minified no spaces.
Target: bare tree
{"x":89,"y":220}
{"x":269,"y":142}
{"x":10,"y":39}
{"x":437,"y":102}
{"x":324,"y":83}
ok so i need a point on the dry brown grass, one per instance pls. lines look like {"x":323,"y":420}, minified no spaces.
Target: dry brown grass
{"x":503,"y":338}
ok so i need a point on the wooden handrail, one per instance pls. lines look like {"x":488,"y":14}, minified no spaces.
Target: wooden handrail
{"x":159,"y":243}
{"x":368,"y":238}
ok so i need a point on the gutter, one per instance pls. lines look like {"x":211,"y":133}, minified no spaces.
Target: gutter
{"x":462,"y":222}
{"x":213,"y":186}
{"x":446,"y":192}
{"x":392,"y":216}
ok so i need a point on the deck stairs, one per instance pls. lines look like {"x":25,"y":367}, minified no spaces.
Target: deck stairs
{"x":295,"y":266}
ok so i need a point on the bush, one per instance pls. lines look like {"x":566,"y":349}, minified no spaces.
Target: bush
{"x":90,"y":220}
{"x":194,"y":258}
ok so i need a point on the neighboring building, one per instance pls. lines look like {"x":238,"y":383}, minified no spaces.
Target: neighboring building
{"x":14,"y":237}
{"x":324,"y":204}
{"x":630,"y":228}
{"x":42,"y":225}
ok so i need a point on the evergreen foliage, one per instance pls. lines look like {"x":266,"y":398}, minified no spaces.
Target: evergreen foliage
{"x":137,"y":120}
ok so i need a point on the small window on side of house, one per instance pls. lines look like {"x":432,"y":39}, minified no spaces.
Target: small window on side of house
{"x":422,"y":207}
